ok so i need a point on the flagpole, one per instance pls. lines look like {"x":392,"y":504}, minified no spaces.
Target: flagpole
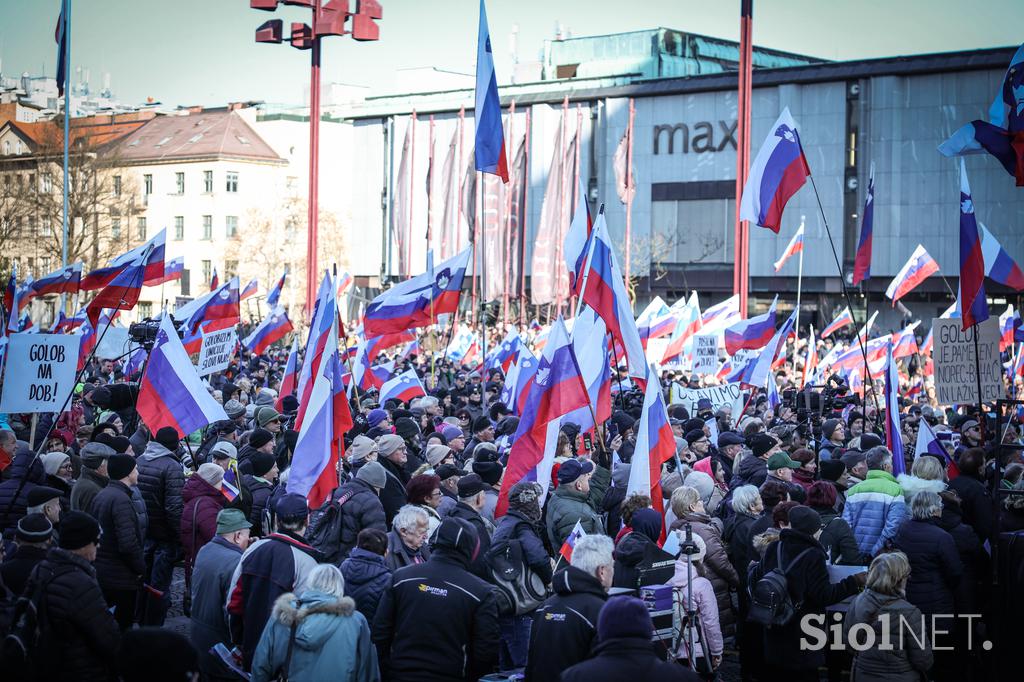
{"x":508,"y":219}
{"x":576,"y":172}
{"x":412,"y":195}
{"x":477,"y":230}
{"x":67,"y":130}
{"x":483,"y":297}
{"x":977,"y":375}
{"x":525,"y":222}
{"x":430,"y":185}
{"x":799,"y":289}
{"x":586,"y":269}
{"x":629,"y":191}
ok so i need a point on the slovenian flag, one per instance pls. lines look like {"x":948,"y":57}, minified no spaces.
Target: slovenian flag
{"x":570,"y":542}
{"x":862,"y":261}
{"x":999,"y":266}
{"x":250,"y":289}
{"x":917,"y":269}
{"x":489,"y":152}
{"x":275,"y":293}
{"x":62,"y":281}
{"x":153,"y":264}
{"x":655,"y":445}
{"x":843,"y":319}
{"x":893,"y":436}
{"x":270,"y":330}
{"x":402,"y":388}
{"x":779,"y":170}
{"x":973,"y":305}
{"x":173,"y":270}
{"x":418,"y":301}
{"x":795,"y":246}
{"x":752,"y":333}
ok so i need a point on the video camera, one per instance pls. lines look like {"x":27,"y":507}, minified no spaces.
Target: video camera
{"x":144,"y":332}
{"x":812,"y":406}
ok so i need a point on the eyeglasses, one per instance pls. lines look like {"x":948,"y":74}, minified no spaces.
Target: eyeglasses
{"x":436,"y":493}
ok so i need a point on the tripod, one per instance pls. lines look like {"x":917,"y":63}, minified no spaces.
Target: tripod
{"x":690,"y":628}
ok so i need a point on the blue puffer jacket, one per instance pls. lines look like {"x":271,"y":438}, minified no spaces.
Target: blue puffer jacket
{"x":875,"y":509}
{"x":366,"y":578}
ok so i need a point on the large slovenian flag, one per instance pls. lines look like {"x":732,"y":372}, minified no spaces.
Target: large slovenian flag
{"x":250,"y":289}
{"x":418,"y":301}
{"x":275,"y":294}
{"x":171,"y":392}
{"x":905,"y":342}
{"x":62,"y":281}
{"x":173,"y":270}
{"x":917,"y":269}
{"x":999,"y":266}
{"x":893,"y":437}
{"x":593,"y":357}
{"x":557,"y":389}
{"x":270,"y":330}
{"x":716,"y":318}
{"x":758,"y":370}
{"x":505,"y":353}
{"x":687,"y":325}
{"x":320,"y":445}
{"x":862,"y":261}
{"x":779,"y":170}
{"x":843,"y":319}
{"x":795,"y":246}
{"x":752,"y":333}
{"x":1001,"y":136}
{"x":577,"y":240}
{"x":322,"y":325}
{"x":655,"y":445}
{"x":153,"y":264}
{"x":122,"y":291}
{"x":290,"y":375}
{"x":973,"y":305}
{"x":490,"y":139}
{"x":604,"y":290}
{"x":218,"y":309}
{"x":402,"y":388}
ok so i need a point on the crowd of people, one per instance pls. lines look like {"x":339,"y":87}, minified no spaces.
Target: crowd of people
{"x":418,"y":568}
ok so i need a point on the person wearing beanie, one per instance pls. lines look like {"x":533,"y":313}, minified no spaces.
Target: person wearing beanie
{"x":439,"y":596}
{"x":267,"y":418}
{"x":77,"y":615}
{"x":753,"y":470}
{"x":361,"y":451}
{"x":273,"y":566}
{"x":449,"y":475}
{"x":438,"y":454}
{"x":32,"y":539}
{"x":203,"y":501}
{"x":260,"y":440}
{"x":235,"y":411}
{"x":456,"y":439}
{"x":260,"y":486}
{"x":211,"y":573}
{"x":833,"y":432}
{"x":156,"y":655}
{"x":483,"y":432}
{"x":359,"y":502}
{"x":58,"y":474}
{"x":393,"y":457}
{"x":472,"y":498}
{"x":639,"y":560}
{"x":856,"y":424}
{"x":93,"y":477}
{"x":161,"y":481}
{"x":120,"y":561}
{"x":785,"y":658}
{"x":624,"y":650}
{"x":574,"y":500}
{"x":491,"y":474}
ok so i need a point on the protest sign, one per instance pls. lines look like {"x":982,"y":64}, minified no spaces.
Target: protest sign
{"x":40,"y":372}
{"x":705,"y":353}
{"x":956,"y":370}
{"x":216,"y":351}
{"x":720,"y":396}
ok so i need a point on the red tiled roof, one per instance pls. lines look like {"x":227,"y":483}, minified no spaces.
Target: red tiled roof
{"x":203,"y":134}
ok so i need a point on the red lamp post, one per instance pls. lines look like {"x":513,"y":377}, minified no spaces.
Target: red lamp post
{"x":329,"y":19}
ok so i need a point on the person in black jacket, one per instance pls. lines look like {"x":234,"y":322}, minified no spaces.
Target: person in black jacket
{"x":522,"y":523}
{"x":366,"y":574}
{"x":437,"y":621}
{"x":260,"y":485}
{"x":25,"y":467}
{"x":975,"y":500}
{"x":624,"y":650}
{"x":393,"y":458}
{"x":161,"y":479}
{"x":638,"y":559}
{"x":81,"y":635}
{"x":120,"y":562}
{"x":471,"y":500}
{"x":361,"y":508}
{"x":33,"y":541}
{"x":565,"y":625}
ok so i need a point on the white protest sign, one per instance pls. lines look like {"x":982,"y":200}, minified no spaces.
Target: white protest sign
{"x":705,"y":354}
{"x":720,"y":396}
{"x":956,"y":370}
{"x":115,"y":342}
{"x":216,"y":351}
{"x":40,"y":372}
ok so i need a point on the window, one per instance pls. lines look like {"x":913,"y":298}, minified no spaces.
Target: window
{"x":117,"y":185}
{"x":179,"y":227}
{"x":230,"y":268}
{"x":147,"y":182}
{"x":179,"y":182}
{"x":145,"y":309}
{"x":231,"y":225}
{"x":140,"y":229}
{"x":207,"y":227}
{"x":208,"y":182}
{"x":232,"y":181}
{"x":47,"y":227}
{"x":115,"y":228}
{"x":7,"y":147}
{"x":207,"y":270}
{"x":32,"y":182}
{"x":31,"y":223}
{"x":47,"y":184}
{"x":44,"y":264}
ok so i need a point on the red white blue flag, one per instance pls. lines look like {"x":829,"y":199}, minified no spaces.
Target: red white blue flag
{"x":973,"y":305}
{"x":489,"y":152}
{"x":655,"y":445}
{"x":904,"y":342}
{"x":862,"y":261}
{"x":810,"y":362}
{"x":275,"y":294}
{"x":917,"y":269}
{"x":270,"y":330}
{"x":403,"y":388}
{"x":999,"y":266}
{"x":688,"y":323}
{"x":929,"y":444}
{"x":250,"y":289}
{"x":843,"y":319}
{"x":418,"y":301}
{"x":173,"y":270}
{"x":291,"y":375}
{"x":893,"y":435}
{"x":779,"y":170}
{"x":153,"y":264}
{"x":795,"y":246}
{"x":752,"y":333}
{"x":322,"y":325}
{"x":122,"y":290}
{"x":593,"y":357}
{"x":62,"y":281}
{"x":570,"y":542}
{"x":518,"y":382}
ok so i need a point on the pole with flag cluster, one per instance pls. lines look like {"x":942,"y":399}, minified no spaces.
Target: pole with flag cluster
{"x":973,"y":304}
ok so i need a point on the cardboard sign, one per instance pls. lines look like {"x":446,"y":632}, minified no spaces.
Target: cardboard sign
{"x":726,"y":394}
{"x":216,"y":351}
{"x":705,"y":353}
{"x":40,"y":372}
{"x":956,"y":370}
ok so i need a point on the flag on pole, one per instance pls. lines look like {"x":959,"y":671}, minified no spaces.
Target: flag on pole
{"x":843,"y":319}
{"x":999,"y":266}
{"x":862,"y":335}
{"x":752,"y":333}
{"x":173,"y":270}
{"x":269,"y":331}
{"x":795,"y":246}
{"x":929,"y":444}
{"x":171,"y":392}
{"x":214,"y":281}
{"x":402,"y":388}
{"x":716,"y":318}
{"x":917,"y":269}
{"x":893,"y":435}
{"x":904,"y":342}
{"x":570,"y":542}
{"x":418,"y":301}
{"x":518,"y":382}
{"x":576,"y":240}
{"x":862,"y":261}
{"x":122,"y":291}
{"x":593,"y":357}
{"x":218,"y":309}
{"x":655,"y":445}
{"x":973,"y":305}
{"x":810,"y":362}
{"x":153,"y":264}
{"x":757,"y":372}
{"x":249,"y":290}
{"x":275,"y":293}
{"x":62,"y":281}
{"x":60,"y":36}
{"x":489,"y":153}
{"x":779,"y":170}
{"x":322,"y":324}
{"x":290,"y":375}
{"x":688,"y":323}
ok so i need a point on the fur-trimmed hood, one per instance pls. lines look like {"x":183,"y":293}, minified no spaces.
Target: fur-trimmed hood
{"x":761,"y":541}
{"x":315,"y":613}
{"x":912,"y":485}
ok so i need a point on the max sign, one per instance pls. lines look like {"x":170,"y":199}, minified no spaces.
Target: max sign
{"x":40,"y":372}
{"x":700,"y":137}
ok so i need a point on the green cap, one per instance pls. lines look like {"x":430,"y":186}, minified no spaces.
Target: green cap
{"x":229,"y":520}
{"x":780,"y":460}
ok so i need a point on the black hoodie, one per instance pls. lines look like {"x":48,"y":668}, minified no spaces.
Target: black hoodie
{"x":565,"y":625}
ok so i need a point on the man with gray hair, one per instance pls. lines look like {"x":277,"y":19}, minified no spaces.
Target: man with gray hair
{"x":94,"y":475}
{"x":875,"y":508}
{"x":565,"y":625}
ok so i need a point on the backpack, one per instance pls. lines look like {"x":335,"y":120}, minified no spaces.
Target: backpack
{"x":771,"y":603}
{"x":324,"y":532}
{"x":519,"y":589}
{"x":28,"y":638}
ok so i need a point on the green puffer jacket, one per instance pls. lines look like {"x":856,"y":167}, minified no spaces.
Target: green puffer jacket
{"x":567,"y":506}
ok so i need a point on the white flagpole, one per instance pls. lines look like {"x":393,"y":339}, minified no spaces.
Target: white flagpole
{"x":799,"y":289}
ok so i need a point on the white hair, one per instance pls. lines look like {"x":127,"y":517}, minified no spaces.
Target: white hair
{"x":591,"y":552}
{"x":925,"y":504}
{"x":744,"y":498}
{"x":408,"y":516}
{"x":326,"y":578}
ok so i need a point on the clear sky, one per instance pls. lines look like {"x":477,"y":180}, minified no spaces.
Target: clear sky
{"x":202,"y":51}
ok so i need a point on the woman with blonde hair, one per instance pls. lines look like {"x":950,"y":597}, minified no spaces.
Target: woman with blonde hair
{"x":883,"y":608}
{"x":927,"y":473}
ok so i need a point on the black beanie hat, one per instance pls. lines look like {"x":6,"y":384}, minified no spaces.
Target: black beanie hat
{"x":260,"y":437}
{"x":624,"y":617}
{"x":406,"y":428}
{"x":154,"y":654}
{"x":78,"y":529}
{"x":489,"y":472}
{"x":481,"y":424}
{"x":168,"y":437}
{"x":262,"y":463}
{"x":34,"y":528}
{"x":120,"y":466}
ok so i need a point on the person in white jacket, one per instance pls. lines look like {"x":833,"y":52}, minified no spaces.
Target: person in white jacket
{"x":927,"y":473}
{"x":707,"y":638}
